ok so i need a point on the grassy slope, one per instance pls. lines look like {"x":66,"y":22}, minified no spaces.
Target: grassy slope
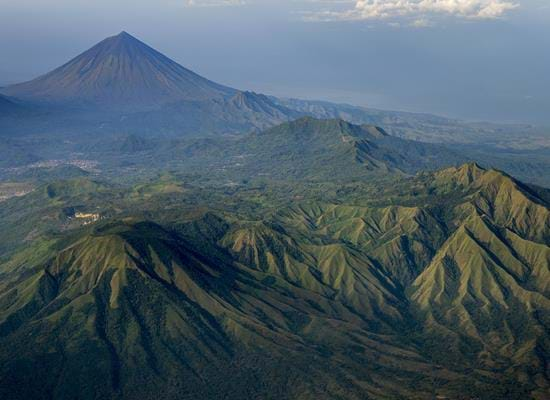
{"x":446,"y":287}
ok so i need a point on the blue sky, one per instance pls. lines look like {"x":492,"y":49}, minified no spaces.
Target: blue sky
{"x":473,"y":59}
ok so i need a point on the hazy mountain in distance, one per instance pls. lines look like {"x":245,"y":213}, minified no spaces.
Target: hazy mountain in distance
{"x":237,"y":114}
{"x":320,"y":149}
{"x":308,"y":148}
{"x":123,"y":84}
{"x":428,"y":127}
{"x":143,"y":91}
{"x":119,"y":71}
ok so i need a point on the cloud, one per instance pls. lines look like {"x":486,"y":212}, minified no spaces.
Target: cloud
{"x":418,"y":12}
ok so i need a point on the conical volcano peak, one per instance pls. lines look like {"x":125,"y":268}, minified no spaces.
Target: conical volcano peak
{"x":118,"y":44}
{"x":123,"y":37}
{"x":123,"y":45}
{"x":120,"y":72}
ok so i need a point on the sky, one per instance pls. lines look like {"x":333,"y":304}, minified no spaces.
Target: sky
{"x":470,"y":59}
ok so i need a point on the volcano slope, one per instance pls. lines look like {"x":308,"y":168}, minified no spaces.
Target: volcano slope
{"x":439,"y":286}
{"x":122,"y":84}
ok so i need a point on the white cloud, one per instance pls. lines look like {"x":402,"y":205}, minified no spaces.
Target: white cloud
{"x":418,"y":12}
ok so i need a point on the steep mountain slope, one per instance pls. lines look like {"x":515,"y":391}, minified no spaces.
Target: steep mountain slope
{"x":140,"y":305}
{"x":474,"y":266}
{"x":313,"y":146}
{"x":237,"y":114}
{"x":120,"y":71}
{"x":313,"y":149}
{"x":438,"y":286}
{"x":121,"y":84}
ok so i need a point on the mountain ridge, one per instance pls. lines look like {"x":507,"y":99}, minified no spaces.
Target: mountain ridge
{"x":303,"y":259}
{"x":448,"y":296}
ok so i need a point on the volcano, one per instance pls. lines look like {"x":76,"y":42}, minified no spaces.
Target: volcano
{"x":121,"y":72}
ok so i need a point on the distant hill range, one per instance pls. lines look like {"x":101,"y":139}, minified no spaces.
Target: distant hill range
{"x":306,"y":148}
{"x":122,"y":84}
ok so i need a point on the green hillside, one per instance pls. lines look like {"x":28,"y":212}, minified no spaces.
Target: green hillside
{"x":304,"y":149}
{"x":435,"y":285}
